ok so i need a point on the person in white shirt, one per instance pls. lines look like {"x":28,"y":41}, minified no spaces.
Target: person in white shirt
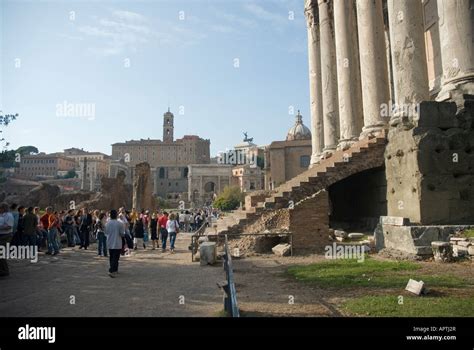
{"x":6,"y":234}
{"x":172,"y":227}
{"x":114,"y":231}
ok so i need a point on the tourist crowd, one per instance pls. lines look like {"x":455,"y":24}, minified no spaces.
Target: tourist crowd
{"x":117,"y":232}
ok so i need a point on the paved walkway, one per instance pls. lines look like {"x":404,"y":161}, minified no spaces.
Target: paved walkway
{"x":150,"y":283}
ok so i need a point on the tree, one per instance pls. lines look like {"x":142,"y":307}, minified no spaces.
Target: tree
{"x":71,"y":174}
{"x":229,"y":199}
{"x":27,"y":150}
{"x":8,"y":157}
{"x":4,"y":121}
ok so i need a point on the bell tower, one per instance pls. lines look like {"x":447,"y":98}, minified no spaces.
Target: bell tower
{"x":168,"y":126}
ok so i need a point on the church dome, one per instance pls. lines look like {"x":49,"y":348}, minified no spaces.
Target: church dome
{"x":299,"y":131}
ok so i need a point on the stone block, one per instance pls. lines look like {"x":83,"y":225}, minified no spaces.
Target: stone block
{"x":442,"y":251}
{"x":394,"y":220}
{"x":208,"y":253}
{"x":464,"y":243}
{"x":458,"y":239}
{"x":470,"y":250}
{"x":415,"y":287}
{"x":340,"y":233}
{"x":424,"y":250}
{"x":355,"y":235}
{"x":282,"y":249}
{"x":459,"y":251}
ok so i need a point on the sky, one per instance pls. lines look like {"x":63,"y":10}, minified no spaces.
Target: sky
{"x":90,"y":73}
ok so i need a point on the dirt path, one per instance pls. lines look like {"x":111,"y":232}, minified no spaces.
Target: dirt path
{"x":150,"y":283}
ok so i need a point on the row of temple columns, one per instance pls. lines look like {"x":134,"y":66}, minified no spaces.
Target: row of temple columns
{"x":349,"y":70}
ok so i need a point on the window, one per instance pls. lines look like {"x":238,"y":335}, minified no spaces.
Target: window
{"x":304,"y":161}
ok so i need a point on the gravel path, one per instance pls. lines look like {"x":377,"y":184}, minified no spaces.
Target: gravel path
{"x":150,"y":283}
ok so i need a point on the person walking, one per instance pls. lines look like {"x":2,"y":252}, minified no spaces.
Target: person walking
{"x":30,"y":222}
{"x":114,"y":231}
{"x":163,"y":232}
{"x":53,"y":227}
{"x":6,"y":234}
{"x":154,"y":229}
{"x":172,"y":226}
{"x":86,"y":222}
{"x":138,"y":233}
{"x":99,"y":228}
{"x":69,"y":228}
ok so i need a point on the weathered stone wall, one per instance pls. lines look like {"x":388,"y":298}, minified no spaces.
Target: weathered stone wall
{"x":414,"y":240}
{"x":430,"y":165}
{"x":143,"y":187}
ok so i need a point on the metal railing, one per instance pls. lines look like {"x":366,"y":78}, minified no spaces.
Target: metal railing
{"x":230,"y":300}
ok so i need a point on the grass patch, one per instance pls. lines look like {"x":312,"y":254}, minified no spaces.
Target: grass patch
{"x":411,"y":307}
{"x":370,"y":273}
{"x":469,"y":233}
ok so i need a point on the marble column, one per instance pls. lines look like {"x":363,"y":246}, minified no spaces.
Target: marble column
{"x":456,"y":30}
{"x":328,"y":76}
{"x":317,"y":131}
{"x":348,"y":73}
{"x":373,"y":65}
{"x":410,"y":71}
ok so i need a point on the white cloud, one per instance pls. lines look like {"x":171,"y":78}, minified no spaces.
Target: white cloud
{"x":233,"y":19}
{"x":129,"y":16}
{"x":125,"y":32}
{"x":264,"y":15}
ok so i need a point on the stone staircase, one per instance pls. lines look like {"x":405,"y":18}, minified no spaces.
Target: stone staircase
{"x":363,"y":155}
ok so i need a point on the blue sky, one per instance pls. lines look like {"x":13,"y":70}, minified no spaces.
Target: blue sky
{"x":230,"y":66}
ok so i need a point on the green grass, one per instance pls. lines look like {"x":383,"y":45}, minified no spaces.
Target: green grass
{"x":412,"y":306}
{"x":370,"y":273}
{"x":469,"y":233}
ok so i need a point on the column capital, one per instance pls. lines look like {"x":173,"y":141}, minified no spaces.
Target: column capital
{"x":311,"y":11}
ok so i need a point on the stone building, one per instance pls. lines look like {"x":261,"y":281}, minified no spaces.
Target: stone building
{"x":286,"y":159}
{"x":248,"y":177}
{"x":90,"y":167}
{"x":206,"y":181}
{"x":43,"y":165}
{"x":392,"y":125}
{"x":168,"y":158}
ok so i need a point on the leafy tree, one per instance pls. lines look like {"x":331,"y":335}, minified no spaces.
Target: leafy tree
{"x":229,"y":199}
{"x":71,"y":174}
{"x":27,"y":150}
{"x":8,"y":157}
{"x":6,"y":119}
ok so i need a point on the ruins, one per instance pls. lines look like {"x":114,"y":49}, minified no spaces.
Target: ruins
{"x":142,"y":187}
{"x":404,"y":172}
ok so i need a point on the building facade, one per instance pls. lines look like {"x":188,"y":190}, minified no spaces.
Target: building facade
{"x":286,"y":159}
{"x":44,"y":165}
{"x":206,"y":181}
{"x":168,"y":158}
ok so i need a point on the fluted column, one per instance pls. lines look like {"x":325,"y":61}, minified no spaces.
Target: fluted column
{"x":317,"y":132}
{"x":456,"y":30}
{"x":348,"y":73}
{"x":410,"y":71}
{"x":373,"y":64}
{"x":328,"y":76}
